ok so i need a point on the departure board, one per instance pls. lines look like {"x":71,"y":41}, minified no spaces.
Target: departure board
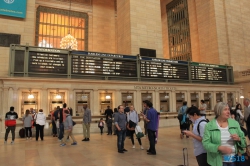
{"x":163,"y":68}
{"x":208,"y":72}
{"x":48,"y":62}
{"x":93,"y":63}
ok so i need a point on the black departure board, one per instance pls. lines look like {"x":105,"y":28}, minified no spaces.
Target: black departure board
{"x":208,"y":72}
{"x":93,"y":63}
{"x":163,"y":68}
{"x":48,"y":62}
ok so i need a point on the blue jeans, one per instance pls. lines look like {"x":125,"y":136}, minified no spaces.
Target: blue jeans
{"x":61,"y":132}
{"x":121,"y":135}
{"x":229,"y":164}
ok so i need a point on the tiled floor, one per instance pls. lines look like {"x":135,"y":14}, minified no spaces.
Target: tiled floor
{"x":99,"y":151}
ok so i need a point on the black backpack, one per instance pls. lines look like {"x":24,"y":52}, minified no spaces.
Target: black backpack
{"x":198,"y":127}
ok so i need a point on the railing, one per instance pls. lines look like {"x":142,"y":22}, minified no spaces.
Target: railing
{"x":27,"y":61}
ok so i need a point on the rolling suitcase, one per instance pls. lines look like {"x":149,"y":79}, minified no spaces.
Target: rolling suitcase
{"x":22,"y":132}
{"x":185,"y":157}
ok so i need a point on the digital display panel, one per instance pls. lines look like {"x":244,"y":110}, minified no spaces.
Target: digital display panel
{"x":104,"y":64}
{"x":208,"y":72}
{"x":162,"y":68}
{"x":48,"y":62}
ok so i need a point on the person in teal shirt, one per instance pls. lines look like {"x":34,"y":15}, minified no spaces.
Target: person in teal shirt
{"x":223,"y":138}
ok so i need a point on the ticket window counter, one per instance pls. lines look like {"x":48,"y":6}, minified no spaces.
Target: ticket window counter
{"x":207,"y":99}
{"x":146,"y":96}
{"x":105,"y":101}
{"x":164,"y":102}
{"x":194,"y":99}
{"x":180,"y":97}
{"x":29,"y":102}
{"x":127,"y":99}
{"x":219,"y":97}
{"x":81,"y":99}
{"x":56,"y":99}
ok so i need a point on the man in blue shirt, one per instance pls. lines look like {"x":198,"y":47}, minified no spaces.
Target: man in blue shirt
{"x":152,"y":125}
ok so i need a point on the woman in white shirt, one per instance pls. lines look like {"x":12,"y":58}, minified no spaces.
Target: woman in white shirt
{"x":40,"y":119}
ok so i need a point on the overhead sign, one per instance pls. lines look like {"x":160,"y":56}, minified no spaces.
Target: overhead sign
{"x":13,"y":8}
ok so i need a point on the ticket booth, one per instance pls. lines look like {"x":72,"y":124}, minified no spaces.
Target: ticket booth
{"x":81,"y":99}
{"x":146,"y":96}
{"x":180,"y":97}
{"x":106,"y":100}
{"x":194,"y":99}
{"x":164,"y":102}
{"x":29,"y":101}
{"x":208,"y":99}
{"x":127,"y":99}
{"x":56,"y":99}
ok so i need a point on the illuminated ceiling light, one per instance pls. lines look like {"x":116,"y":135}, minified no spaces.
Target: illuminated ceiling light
{"x":84,"y":97}
{"x":149,"y":97}
{"x":182,"y":96}
{"x":166,"y":97}
{"x":69,"y":42}
{"x":129,"y":97}
{"x":242,"y":97}
{"x":58,"y":96}
{"x":197,"y":96}
{"x":31,"y":96}
{"x":108,"y":97}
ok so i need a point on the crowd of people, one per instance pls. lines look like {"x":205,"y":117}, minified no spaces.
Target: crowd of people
{"x":221,"y":141}
{"x":218,"y":142}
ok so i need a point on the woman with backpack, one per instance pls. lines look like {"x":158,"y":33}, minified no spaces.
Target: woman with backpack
{"x":183,"y":119}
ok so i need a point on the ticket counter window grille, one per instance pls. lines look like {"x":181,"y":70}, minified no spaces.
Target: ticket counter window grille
{"x":54,"y":24}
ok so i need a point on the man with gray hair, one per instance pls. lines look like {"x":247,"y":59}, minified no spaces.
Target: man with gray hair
{"x":246,"y":103}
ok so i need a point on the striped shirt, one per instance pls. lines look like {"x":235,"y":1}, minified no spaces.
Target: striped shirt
{"x":226,"y":140}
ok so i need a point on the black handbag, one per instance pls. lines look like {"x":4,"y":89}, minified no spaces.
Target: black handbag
{"x":34,"y":123}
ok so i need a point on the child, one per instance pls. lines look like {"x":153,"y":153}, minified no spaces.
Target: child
{"x":101,"y":125}
{"x":109,"y":124}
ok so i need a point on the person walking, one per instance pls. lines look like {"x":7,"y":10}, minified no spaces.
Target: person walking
{"x":152,"y":125}
{"x":109,"y":124}
{"x":68,"y":129}
{"x":86,"y":123}
{"x":27,"y":122}
{"x":199,"y":122}
{"x":120,"y":123}
{"x":40,"y":119}
{"x":10,"y":124}
{"x":133,"y":119}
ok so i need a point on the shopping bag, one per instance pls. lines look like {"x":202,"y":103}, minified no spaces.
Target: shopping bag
{"x":138,"y":132}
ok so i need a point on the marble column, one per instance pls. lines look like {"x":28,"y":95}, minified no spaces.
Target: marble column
{"x":138,"y":101}
{"x":44,"y":101}
{"x":188,"y":98}
{"x":5,"y":106}
{"x":173,"y":102}
{"x":157,"y":104}
{"x":95,"y":102}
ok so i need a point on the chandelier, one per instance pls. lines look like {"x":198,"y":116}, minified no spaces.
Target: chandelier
{"x":69,"y":42}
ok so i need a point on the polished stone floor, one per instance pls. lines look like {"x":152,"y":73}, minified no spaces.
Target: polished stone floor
{"x":99,"y":151}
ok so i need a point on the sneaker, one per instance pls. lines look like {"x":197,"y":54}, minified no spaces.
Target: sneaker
{"x":12,"y":142}
{"x":59,"y":140}
{"x":85,"y":139}
{"x":27,"y":138}
{"x":74,"y":143}
{"x":133,"y":146}
{"x":63,"y":145}
{"x":124,"y":150}
{"x":5,"y":142}
{"x":142,"y":148}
